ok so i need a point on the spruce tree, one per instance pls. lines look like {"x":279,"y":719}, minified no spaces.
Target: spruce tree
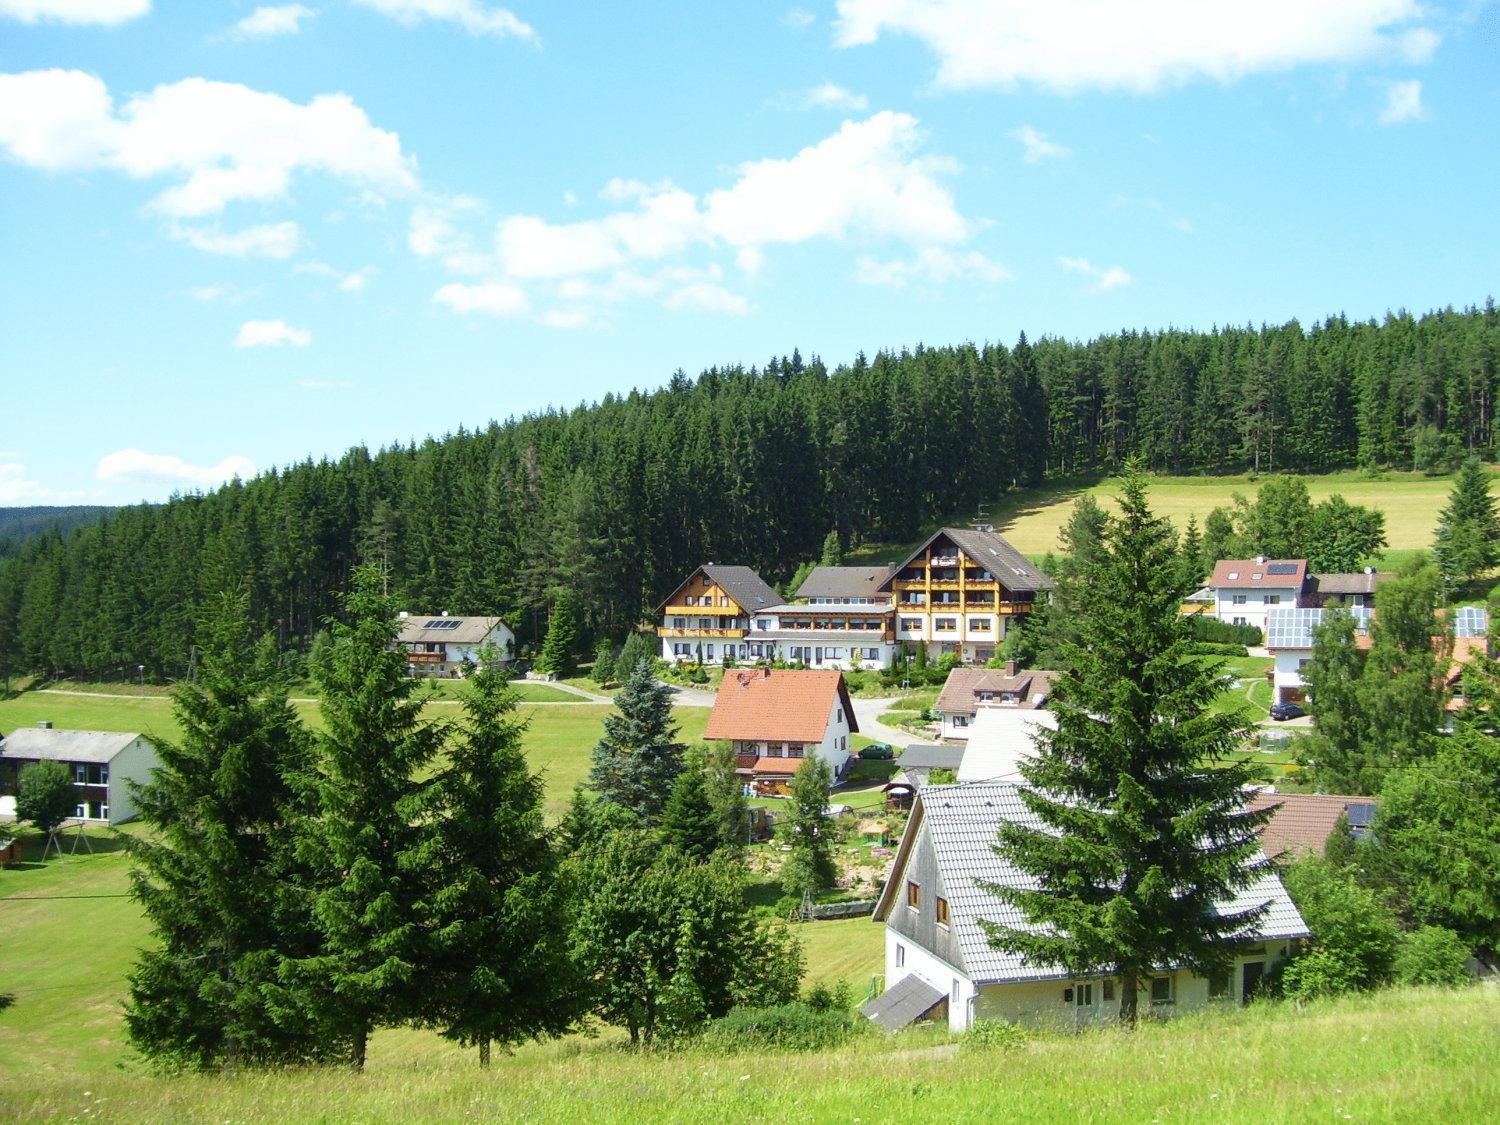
{"x":365,"y":837}
{"x":1468,"y":533}
{"x":1401,"y":688}
{"x":1144,"y":830}
{"x":1194,"y":571}
{"x":559,"y":655}
{"x":689,"y":821}
{"x":494,"y":901}
{"x":726,"y":792}
{"x":809,"y":867}
{"x":1334,"y":675}
{"x":638,"y":759}
{"x":604,"y":663}
{"x":217,"y":876}
{"x":833,"y":551}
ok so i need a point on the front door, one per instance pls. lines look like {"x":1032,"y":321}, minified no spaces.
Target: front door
{"x":1254,"y":973}
{"x":1085,"y":1003}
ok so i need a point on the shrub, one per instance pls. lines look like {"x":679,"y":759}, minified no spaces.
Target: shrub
{"x":1214,"y":648}
{"x":995,"y":1035}
{"x":1213,"y":630}
{"x":1322,"y":972}
{"x":821,"y":998}
{"x":1353,"y":931}
{"x":786,"y":1027}
{"x":1432,"y":955}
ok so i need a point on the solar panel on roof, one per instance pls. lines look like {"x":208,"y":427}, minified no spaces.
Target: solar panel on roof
{"x":1471,"y":621}
{"x":1282,"y":568}
{"x":1361,"y":815}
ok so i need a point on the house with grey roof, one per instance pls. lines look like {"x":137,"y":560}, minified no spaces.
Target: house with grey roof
{"x":444,"y":646}
{"x":103,"y":764}
{"x":939,"y":963}
{"x":708,"y":616}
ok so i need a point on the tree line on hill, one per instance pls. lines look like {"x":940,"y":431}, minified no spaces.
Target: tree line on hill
{"x":615,"y":501}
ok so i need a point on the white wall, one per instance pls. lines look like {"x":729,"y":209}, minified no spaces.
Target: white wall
{"x":1288,"y":670}
{"x":134,"y":763}
{"x":935,"y":971}
{"x":1256,"y":608}
{"x":835,"y":746}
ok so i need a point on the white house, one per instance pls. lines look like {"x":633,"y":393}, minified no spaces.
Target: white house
{"x":102,"y":763}
{"x":708,"y":616}
{"x":1289,"y":640}
{"x":967,"y":691}
{"x":443,"y":646}
{"x":1246,"y":590}
{"x":774,"y":718}
{"x":939,"y":963}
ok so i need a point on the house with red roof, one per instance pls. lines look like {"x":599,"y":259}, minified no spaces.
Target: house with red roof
{"x":777,"y":717}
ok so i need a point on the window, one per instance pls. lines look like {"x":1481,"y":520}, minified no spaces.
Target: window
{"x":913,"y":897}
{"x":1161,"y":990}
{"x":872,"y":654}
{"x":706,"y":581}
{"x":960,"y":720}
{"x":840,"y":716}
{"x":945,"y":624}
{"x":79,"y":811}
{"x":690,"y":600}
{"x":762,"y":623}
{"x":1238,"y":599}
{"x":1108,"y":991}
{"x":911,"y":623}
{"x":1273,"y":599}
{"x":679,"y":622}
{"x":794,"y":751}
{"x":103,"y":812}
{"x":709,"y":652}
{"x":942,"y":911}
{"x":723,"y":602}
{"x":979,"y":624}
{"x":900,"y":956}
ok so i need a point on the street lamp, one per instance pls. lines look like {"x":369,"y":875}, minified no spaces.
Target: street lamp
{"x":140,"y":670}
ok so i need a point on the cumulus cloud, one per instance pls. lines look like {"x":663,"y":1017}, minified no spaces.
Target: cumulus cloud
{"x":268,"y":240}
{"x":825,"y":95}
{"x":271,"y":334}
{"x":267,"y":23}
{"x":935,"y":264}
{"x":164,"y":468}
{"x":1036,"y":147}
{"x":472,"y":16}
{"x":1403,"y":102}
{"x":868,"y":182}
{"x":1072,"y":45}
{"x":106,"y":13}
{"x":223,"y":141}
{"x":1105,"y":279}
{"x":354,"y":281}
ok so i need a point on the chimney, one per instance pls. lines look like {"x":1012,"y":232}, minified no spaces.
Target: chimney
{"x":1010,"y":667}
{"x":44,"y":724}
{"x":445,"y":613}
{"x":1260,"y":560}
{"x":403,"y":615}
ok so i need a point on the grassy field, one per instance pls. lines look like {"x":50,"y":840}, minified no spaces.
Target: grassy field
{"x":558,"y":741}
{"x":1031,"y":520}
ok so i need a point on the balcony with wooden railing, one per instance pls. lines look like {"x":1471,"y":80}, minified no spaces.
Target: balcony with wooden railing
{"x":702,"y":611}
{"x":667,"y":631}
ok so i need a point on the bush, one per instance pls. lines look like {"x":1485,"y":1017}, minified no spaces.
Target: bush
{"x":1213,"y":630}
{"x":1214,"y":648}
{"x":786,"y":1027}
{"x":995,"y":1035}
{"x":1323,"y":972}
{"x":1432,"y":955}
{"x":1354,"y":933}
{"x":821,"y":998}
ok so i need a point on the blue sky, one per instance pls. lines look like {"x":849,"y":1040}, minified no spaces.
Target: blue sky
{"x":235,"y":235}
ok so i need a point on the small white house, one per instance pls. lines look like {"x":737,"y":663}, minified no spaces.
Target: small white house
{"x":103,"y":763}
{"x":1246,"y":590}
{"x":774,"y":718}
{"x":443,"y":646}
{"x":939,"y":963}
{"x":967,"y":691}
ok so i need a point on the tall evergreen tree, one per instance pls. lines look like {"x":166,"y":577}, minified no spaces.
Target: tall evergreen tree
{"x":217,"y":876}
{"x":495,"y":904}
{"x":604,"y":663}
{"x":689,"y":821}
{"x":559,"y":656}
{"x":1402,"y":687}
{"x":639,"y":757}
{"x":638,"y":646}
{"x":809,"y":867}
{"x":1195,"y":569}
{"x":1468,"y":531}
{"x":1334,"y":676}
{"x":833,"y":551}
{"x":365,"y":837}
{"x":1145,"y":830}
{"x":726,"y":792}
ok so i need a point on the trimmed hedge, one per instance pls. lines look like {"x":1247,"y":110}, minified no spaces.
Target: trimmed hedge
{"x":1210,"y":648}
{"x":1211,"y":629}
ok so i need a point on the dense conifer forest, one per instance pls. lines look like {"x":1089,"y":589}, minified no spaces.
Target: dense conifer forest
{"x":615,"y":501}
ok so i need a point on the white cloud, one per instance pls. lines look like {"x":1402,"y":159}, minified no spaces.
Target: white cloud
{"x":825,"y":95}
{"x":266,"y":23}
{"x":225,"y":142}
{"x":270,"y":334}
{"x":1105,"y":279}
{"x":798,"y":18}
{"x":268,"y":240}
{"x":1036,"y":145}
{"x":1403,"y":102}
{"x":493,"y":298}
{"x":472,"y":16}
{"x":17,"y":488}
{"x":1071,"y":45}
{"x":352,"y":282}
{"x":105,"y":12}
{"x":935,"y":264}
{"x":133,"y":464}
{"x":212,"y":292}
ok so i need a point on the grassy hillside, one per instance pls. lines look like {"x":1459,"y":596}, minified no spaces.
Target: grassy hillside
{"x":1031,"y":520}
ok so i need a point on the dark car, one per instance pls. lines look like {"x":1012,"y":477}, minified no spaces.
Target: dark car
{"x":877,"y":752}
{"x":1283,"y":711}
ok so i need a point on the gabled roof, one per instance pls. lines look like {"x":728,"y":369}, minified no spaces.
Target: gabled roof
{"x":1302,"y":821}
{"x":777,"y":705}
{"x":1291,"y":627}
{"x":48,"y":743}
{"x":1252,"y":574}
{"x":1342,"y":585}
{"x":961,"y":690}
{"x":961,"y":822}
{"x":843,"y":582}
{"x":984,"y":548}
{"x":421,"y":629}
{"x":936,"y":756}
{"x":747,"y":588}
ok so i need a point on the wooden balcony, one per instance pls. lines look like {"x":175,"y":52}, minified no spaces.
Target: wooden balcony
{"x":664,"y":631}
{"x":702,"y":611}
{"x":945,"y":584}
{"x":425,"y":657}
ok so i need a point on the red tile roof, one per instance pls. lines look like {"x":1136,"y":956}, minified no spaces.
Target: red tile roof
{"x":777,"y":705}
{"x":1249,"y":574}
{"x":1302,"y":822}
{"x":960,"y":694}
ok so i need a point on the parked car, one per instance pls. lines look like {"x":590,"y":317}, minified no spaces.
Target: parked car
{"x":1283,"y":711}
{"x":878,"y":752}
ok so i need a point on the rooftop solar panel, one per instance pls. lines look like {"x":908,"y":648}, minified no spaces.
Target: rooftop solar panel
{"x":1282,"y":568}
{"x":1471,"y":621}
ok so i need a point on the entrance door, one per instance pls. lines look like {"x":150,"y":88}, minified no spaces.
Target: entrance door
{"x":1085,"y":1009}
{"x":1255,"y":972}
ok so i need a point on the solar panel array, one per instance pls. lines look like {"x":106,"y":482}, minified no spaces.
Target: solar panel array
{"x":1471,"y":621}
{"x":1293,"y":627}
{"x":1282,"y":568}
{"x":443,"y":623}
